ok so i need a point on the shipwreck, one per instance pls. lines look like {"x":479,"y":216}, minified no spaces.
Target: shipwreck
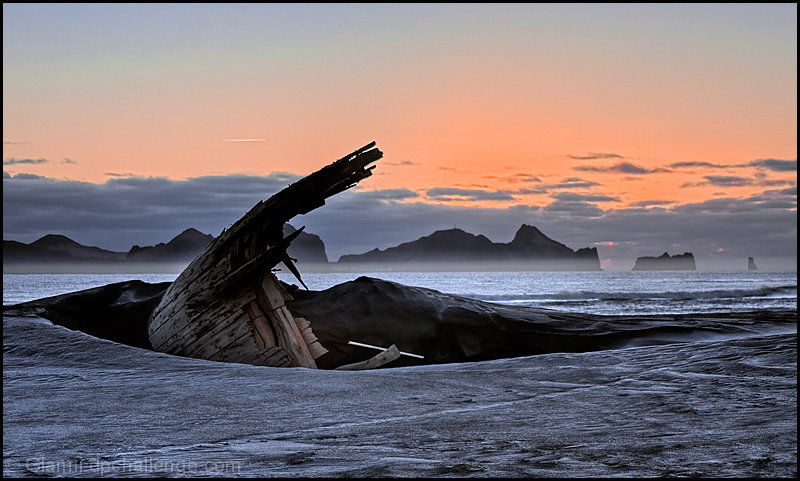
{"x":228,"y":305}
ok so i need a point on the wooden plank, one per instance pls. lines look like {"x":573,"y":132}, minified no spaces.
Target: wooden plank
{"x":261,"y":325}
{"x":284,"y":293}
{"x":316,"y":349}
{"x":302,"y":323}
{"x":197,"y":327}
{"x":274,"y":356}
{"x":239,"y":351}
{"x":288,"y":335}
{"x":314,"y":346}
{"x":184,"y":286}
{"x":264,"y":331}
{"x":235,"y":328}
{"x":272,"y":296}
{"x":256,"y":336}
{"x":290,"y":338}
{"x":390,"y":354}
{"x":184,"y":330}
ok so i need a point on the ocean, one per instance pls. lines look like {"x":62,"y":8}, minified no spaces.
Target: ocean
{"x":725,"y":406}
{"x":607,"y":293}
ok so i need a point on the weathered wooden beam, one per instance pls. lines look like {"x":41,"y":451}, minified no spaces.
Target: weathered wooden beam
{"x":381,"y":348}
{"x":388,"y":355}
{"x":312,"y":342}
{"x":288,"y":334}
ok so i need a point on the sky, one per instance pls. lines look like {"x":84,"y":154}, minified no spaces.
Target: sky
{"x":634,"y":128}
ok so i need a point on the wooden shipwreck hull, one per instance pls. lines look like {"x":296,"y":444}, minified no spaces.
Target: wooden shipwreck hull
{"x":227,"y":305}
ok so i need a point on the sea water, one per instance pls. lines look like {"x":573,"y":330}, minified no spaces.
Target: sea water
{"x":605,"y":292}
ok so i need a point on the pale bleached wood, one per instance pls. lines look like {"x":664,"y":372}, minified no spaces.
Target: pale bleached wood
{"x":261,"y":324}
{"x":211,"y":321}
{"x":316,"y":349}
{"x":314,"y":346}
{"x":236,"y":328}
{"x":390,"y":354}
{"x":274,"y":356}
{"x":272,"y":295}
{"x":183,"y":288}
{"x":185,"y":330}
{"x":288,"y":336}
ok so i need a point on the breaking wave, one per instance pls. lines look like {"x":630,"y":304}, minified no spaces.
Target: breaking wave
{"x":762,"y":292}
{"x":764,"y":297}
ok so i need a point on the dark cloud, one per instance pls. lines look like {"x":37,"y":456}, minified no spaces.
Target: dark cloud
{"x":451,"y":194}
{"x":758,"y":179}
{"x":571,"y":196}
{"x":708,"y":165}
{"x":116,"y":174}
{"x":568,"y":183}
{"x":402,"y":163}
{"x":648,"y":203}
{"x":522,"y":177}
{"x":572,"y":209}
{"x":12,"y":142}
{"x":729,"y":180}
{"x":776,"y":165}
{"x":13,"y":161}
{"x":67,"y":160}
{"x":593,"y":156}
{"x":24,"y":176}
{"x":620,"y":168}
{"x":388,"y":194}
{"x":538,"y":190}
{"x":574,"y":183}
{"x":454,"y":169}
{"x":123,"y":212}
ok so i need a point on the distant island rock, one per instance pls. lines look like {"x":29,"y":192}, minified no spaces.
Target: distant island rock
{"x":183,"y":248}
{"x":56,"y":248}
{"x":530,"y":249}
{"x":665,"y":262}
{"x":307,"y":248}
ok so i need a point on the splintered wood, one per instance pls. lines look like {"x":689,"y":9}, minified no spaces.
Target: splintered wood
{"x":227,"y":305}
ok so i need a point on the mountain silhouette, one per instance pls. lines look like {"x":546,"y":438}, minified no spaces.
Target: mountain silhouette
{"x":184,"y":247}
{"x":56,"y":248}
{"x":307,"y":248}
{"x":59,"y":249}
{"x":529,"y":246}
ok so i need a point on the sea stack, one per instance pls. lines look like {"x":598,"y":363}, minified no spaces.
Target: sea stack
{"x":665,"y":262}
{"x":751,"y":264}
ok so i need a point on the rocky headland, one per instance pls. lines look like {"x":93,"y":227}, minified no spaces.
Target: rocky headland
{"x":530,"y":249}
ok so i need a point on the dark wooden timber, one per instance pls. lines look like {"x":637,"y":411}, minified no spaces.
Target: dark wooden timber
{"x":227,"y":305}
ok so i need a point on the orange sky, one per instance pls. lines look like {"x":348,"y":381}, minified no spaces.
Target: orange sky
{"x":457,"y":96}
